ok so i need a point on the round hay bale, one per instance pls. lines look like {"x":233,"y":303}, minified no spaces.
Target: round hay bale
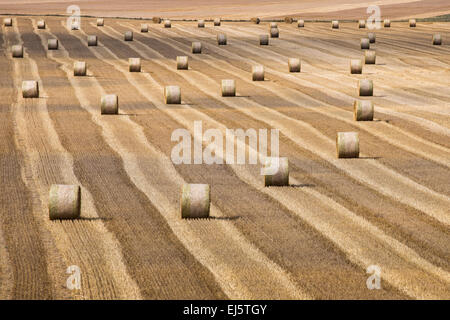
{"x":75,"y":25}
{"x":144,"y":27}
{"x":228,"y":88}
{"x":196,"y":47}
{"x":355,"y":66}
{"x":222,"y":39}
{"x":52,"y":44}
{"x":370,"y":57}
{"x":100,"y":22}
{"x":64,"y":201}
{"x":387,"y":23}
{"x":7,"y":22}
{"x":263,"y":40}
{"x":110,"y":104}
{"x":258,"y":73}
{"x":274,"y":33}
{"x":362,"y":24}
{"x":412,"y":23}
{"x":347,"y":145}
{"x":30,"y":89}
{"x":217,"y":22}
{"x":134,"y":64}
{"x":17,"y":51}
{"x":195,"y":201}
{"x":365,"y":44}
{"x":294,"y":65}
{"x":301,"y":23}
{"x":335,"y":24}
{"x":201,"y":23}
{"x":128,"y":36}
{"x":167,"y":23}
{"x":92,"y":41}
{"x":372,"y":37}
{"x":437,"y":40}
{"x":182,"y":63}
{"x":365,"y":87}
{"x":156,"y":20}
{"x":281,"y":175}
{"x":288,"y":20}
{"x":79,"y":69}
{"x":273,"y":25}
{"x":255,"y":20}
{"x":41,"y":24}
{"x":172,"y":95}
{"x":363,"y":110}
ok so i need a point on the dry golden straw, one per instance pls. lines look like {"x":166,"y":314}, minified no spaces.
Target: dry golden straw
{"x":128,"y":36}
{"x":92,"y":41}
{"x":258,"y":73}
{"x":281,"y":176}
{"x":17,"y":51}
{"x":363,"y":110}
{"x":370,"y":57}
{"x":167,"y":23}
{"x":182,"y":63}
{"x":196,"y":47}
{"x":288,"y":20}
{"x":274,"y":33}
{"x":144,"y":27}
{"x":347,"y":145}
{"x":221,"y":39}
{"x":110,"y":104}
{"x":355,"y":66}
{"x":52,"y":44}
{"x":294,"y":65}
{"x":195,"y":201}
{"x":255,"y":20}
{"x":134,"y":64}
{"x":156,"y":20}
{"x":263,"y":40}
{"x":64,"y":201}
{"x":79,"y":68}
{"x":172,"y":95}
{"x":335,"y":24}
{"x":100,"y":22}
{"x":365,"y":87}
{"x":30,"y":89}
{"x":228,"y":88}
{"x":437,"y":39}
{"x":365,"y":44}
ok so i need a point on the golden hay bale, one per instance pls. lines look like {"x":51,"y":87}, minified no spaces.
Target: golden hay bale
{"x":167,"y":23}
{"x":335,"y":24}
{"x":182,"y":63}
{"x":92,"y":41}
{"x":228,"y":88}
{"x":387,"y":23}
{"x":41,"y":24}
{"x":79,"y":68}
{"x":201,"y":23}
{"x":255,"y":20}
{"x":258,"y":73}
{"x":264,"y":40}
{"x":110,"y":104}
{"x":437,"y":39}
{"x":365,"y":43}
{"x":370,"y":57}
{"x":355,"y":66}
{"x":217,"y":22}
{"x":273,"y":25}
{"x":64,"y":201}
{"x":128,"y":36}
{"x":372,"y":37}
{"x":276,"y":171}
{"x":30,"y":89}
{"x":156,"y":20}
{"x":274,"y":33}
{"x":288,"y":20}
{"x":363,"y":110}
{"x":17,"y":51}
{"x":347,"y":145}
{"x":362,"y":24}
{"x":52,"y":44}
{"x":144,"y":27}
{"x":196,"y":47}
{"x":172,"y":95}
{"x":301,"y":23}
{"x":134,"y":64}
{"x":195,"y":201}
{"x":100,"y":22}
{"x":412,"y":23}
{"x":7,"y":22}
{"x":365,"y":87}
{"x":294,"y":65}
{"x":221,"y":39}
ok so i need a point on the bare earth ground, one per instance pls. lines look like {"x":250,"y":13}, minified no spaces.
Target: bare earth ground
{"x":232,"y":9}
{"x":312,"y":240}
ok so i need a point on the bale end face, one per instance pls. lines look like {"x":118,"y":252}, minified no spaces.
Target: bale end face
{"x":134,"y":64}
{"x":258,"y":73}
{"x":437,"y":40}
{"x":217,"y":22}
{"x":30,"y":89}
{"x":7,"y":22}
{"x":301,"y":23}
{"x":372,"y":37}
{"x":363,"y":110}
{"x":128,"y":36}
{"x":355,"y":66}
{"x":110,"y":104}
{"x":276,"y":171}
{"x":172,"y":95}
{"x":92,"y":41}
{"x":347,"y":145}
{"x":64,"y":202}
{"x":365,"y":87}
{"x":362,"y":24}
{"x":144,"y":28}
{"x":228,"y":88}
{"x":195,"y":201}
{"x":17,"y":51}
{"x":370,"y":57}
{"x":196,"y":47}
{"x":274,"y":33}
{"x":335,"y":24}
{"x":273,"y":25}
{"x":182,"y":63}
{"x":100,"y":22}
{"x":365,"y":44}
{"x":387,"y":23}
{"x":52,"y":44}
{"x":156,"y":20}
{"x":79,"y":69}
{"x":167,"y":24}
{"x":201,"y":23}
{"x":294,"y":65}
{"x":221,"y":39}
{"x":264,"y":40}
{"x":41,"y":24}
{"x":412,"y":23}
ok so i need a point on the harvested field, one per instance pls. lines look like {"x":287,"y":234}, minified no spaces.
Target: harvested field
{"x":312,"y":239}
